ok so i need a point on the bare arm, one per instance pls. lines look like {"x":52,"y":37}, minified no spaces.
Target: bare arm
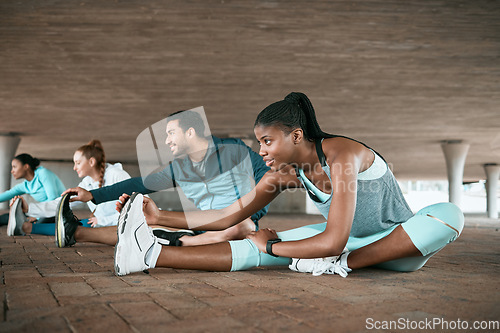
{"x":271,"y":184}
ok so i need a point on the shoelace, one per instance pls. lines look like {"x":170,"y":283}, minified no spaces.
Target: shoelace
{"x":330,"y":265}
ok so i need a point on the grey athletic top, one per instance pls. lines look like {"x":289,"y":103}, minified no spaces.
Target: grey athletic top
{"x":379,"y":203}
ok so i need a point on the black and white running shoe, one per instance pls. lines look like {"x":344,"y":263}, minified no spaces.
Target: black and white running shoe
{"x":66,"y":223}
{"x":171,"y":237}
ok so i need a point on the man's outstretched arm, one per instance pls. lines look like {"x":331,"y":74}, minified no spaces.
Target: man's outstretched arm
{"x":153,"y":183}
{"x":108,"y":193}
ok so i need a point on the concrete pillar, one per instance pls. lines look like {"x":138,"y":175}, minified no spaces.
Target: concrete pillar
{"x":455,"y":152}
{"x":492,"y":174}
{"x":8,"y":147}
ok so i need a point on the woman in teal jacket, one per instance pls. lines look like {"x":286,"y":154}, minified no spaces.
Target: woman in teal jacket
{"x":41,"y":183}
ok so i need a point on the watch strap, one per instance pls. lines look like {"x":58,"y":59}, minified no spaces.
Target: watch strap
{"x":269,"y":246}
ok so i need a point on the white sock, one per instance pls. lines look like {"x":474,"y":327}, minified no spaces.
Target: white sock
{"x":153,"y":254}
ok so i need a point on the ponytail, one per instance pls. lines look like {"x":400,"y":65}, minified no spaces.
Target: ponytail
{"x":94,"y":149}
{"x":295,"y":111}
{"x":33,"y":162}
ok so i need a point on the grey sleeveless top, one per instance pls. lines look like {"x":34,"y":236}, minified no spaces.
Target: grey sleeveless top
{"x":379,"y":204}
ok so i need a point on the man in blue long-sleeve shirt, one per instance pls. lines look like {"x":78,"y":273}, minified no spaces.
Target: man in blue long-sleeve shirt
{"x":212,"y":172}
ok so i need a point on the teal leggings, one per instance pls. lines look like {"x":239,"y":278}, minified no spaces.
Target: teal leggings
{"x":430,"y":229}
{"x":49,"y":229}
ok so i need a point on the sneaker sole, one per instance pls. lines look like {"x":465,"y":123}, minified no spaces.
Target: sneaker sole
{"x":60,"y":234}
{"x":119,"y":230}
{"x":11,"y":226}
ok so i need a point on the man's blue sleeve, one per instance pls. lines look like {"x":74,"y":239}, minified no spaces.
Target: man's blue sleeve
{"x":113,"y":192}
{"x":155,"y":182}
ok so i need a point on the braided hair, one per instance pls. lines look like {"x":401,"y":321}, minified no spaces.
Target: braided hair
{"x":94,"y":149}
{"x":33,"y":162}
{"x":295,"y":111}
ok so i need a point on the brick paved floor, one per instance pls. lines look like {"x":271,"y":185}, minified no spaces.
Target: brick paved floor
{"x":46,"y":289}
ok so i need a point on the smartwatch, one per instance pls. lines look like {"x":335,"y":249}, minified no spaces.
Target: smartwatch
{"x":269,"y":246}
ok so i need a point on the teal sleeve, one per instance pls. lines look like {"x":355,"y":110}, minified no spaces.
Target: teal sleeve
{"x":113,"y":192}
{"x":52,"y":185}
{"x":19,"y":189}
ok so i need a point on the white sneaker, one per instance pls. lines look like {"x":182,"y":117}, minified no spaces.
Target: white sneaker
{"x":318,"y":266}
{"x":16,"y":219}
{"x":135,"y":238}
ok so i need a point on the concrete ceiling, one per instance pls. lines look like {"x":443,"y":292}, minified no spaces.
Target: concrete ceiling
{"x":401,"y":76}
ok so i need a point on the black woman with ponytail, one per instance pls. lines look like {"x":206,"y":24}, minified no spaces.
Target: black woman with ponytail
{"x":368,"y":222}
{"x":295,"y":111}
{"x":41,"y":183}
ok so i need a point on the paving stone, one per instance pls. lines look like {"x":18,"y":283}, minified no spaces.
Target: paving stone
{"x":21,"y":277}
{"x":102,"y":299}
{"x":43,"y":324}
{"x":266,"y":320}
{"x":15,"y":267}
{"x":144,"y":314}
{"x":152,"y":286}
{"x":248,"y":290}
{"x":33,"y":296}
{"x":202,"y":313}
{"x":201,"y":289}
{"x":106,"y":284}
{"x":222,"y":281}
{"x":291,"y":309}
{"x":85,"y":266}
{"x":58,"y":269}
{"x":204,"y":322}
{"x":95,"y":318}
{"x":32,"y":314}
{"x":172,"y":301}
{"x":18,"y":258}
{"x":62,"y":278}
{"x":325,"y":302}
{"x":71,"y":289}
{"x":44,"y":258}
{"x":241,"y":299}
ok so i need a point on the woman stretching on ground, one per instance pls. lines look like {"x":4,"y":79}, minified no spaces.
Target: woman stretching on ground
{"x":40,"y":183}
{"x":368,"y":221}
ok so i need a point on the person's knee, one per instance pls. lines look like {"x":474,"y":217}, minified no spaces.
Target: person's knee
{"x":455,"y":216}
{"x":448,"y":213}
